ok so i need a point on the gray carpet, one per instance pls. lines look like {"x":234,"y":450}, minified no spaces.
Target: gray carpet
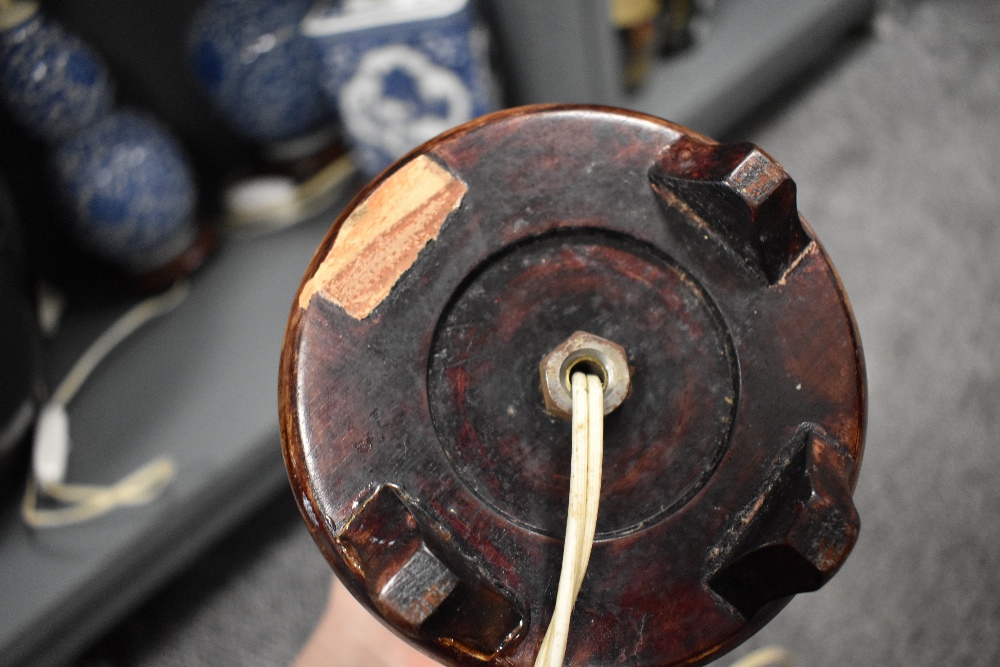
{"x":895,"y":145}
{"x":897,"y":156}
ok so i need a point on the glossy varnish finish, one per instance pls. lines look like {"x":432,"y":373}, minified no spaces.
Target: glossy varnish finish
{"x":435,"y":482}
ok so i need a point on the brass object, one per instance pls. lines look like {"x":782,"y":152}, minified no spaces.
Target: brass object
{"x":590,"y":353}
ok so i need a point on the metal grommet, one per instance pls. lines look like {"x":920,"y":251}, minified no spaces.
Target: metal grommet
{"x":600,"y":355}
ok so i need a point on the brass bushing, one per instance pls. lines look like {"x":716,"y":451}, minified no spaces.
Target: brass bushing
{"x":585,"y":352}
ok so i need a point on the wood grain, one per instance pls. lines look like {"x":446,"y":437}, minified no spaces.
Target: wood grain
{"x":381,"y":239}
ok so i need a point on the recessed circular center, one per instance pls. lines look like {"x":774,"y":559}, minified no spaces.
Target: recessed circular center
{"x":661,"y":444}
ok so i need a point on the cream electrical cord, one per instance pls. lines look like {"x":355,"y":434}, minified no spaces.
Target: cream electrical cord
{"x":586,"y":467}
{"x":581,"y":523}
{"x":51,"y":446}
{"x":768,"y":656}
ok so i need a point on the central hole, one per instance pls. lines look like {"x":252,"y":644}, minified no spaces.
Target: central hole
{"x":587,"y":365}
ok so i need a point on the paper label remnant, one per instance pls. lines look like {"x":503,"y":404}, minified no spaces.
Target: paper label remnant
{"x":383,"y":236}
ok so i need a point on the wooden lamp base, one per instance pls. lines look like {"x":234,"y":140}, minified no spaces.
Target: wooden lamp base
{"x":415,"y":431}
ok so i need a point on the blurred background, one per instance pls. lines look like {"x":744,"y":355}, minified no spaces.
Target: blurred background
{"x":214,"y":141}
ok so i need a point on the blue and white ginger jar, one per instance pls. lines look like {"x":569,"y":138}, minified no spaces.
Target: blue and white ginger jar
{"x":260,"y":72}
{"x":51,"y":81}
{"x":401,"y":77}
{"x":130,"y":189}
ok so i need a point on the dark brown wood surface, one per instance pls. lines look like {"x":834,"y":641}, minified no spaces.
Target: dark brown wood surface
{"x":414,"y":429}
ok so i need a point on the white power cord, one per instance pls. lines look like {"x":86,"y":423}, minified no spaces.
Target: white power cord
{"x":768,"y":656}
{"x":581,"y":524}
{"x":50,"y":454}
{"x":586,"y":466}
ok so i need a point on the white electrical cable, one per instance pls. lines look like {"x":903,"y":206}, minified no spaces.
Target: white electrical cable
{"x":586,"y":465}
{"x":125,"y":326}
{"x":768,"y":656}
{"x":50,"y":454}
{"x":87,"y":502}
{"x":586,"y":468}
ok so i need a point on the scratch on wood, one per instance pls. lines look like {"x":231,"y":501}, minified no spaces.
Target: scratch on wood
{"x":384,"y":235}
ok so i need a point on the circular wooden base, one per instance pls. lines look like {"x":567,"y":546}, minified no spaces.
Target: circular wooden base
{"x":414,"y":430}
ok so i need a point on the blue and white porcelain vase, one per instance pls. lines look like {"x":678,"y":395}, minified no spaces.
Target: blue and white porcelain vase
{"x":130,"y":190}
{"x":401,"y":77}
{"x":261,"y":73}
{"x":50,"y":80}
